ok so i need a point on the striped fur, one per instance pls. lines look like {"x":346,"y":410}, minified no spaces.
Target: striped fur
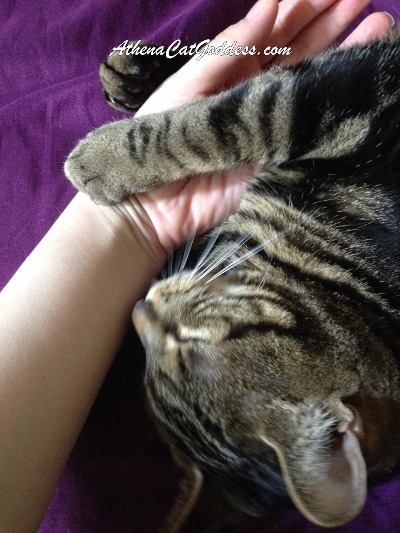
{"x":276,"y":360}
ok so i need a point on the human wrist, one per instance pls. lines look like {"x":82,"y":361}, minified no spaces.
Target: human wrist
{"x":126,"y":222}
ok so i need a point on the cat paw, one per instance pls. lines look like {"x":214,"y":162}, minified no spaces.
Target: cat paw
{"x":128,"y":78}
{"x":106,"y":166}
{"x":99,"y":165}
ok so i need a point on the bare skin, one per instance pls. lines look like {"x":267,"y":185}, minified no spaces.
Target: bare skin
{"x":65,"y":312}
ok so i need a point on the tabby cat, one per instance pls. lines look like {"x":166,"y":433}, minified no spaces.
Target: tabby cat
{"x":273,"y":364}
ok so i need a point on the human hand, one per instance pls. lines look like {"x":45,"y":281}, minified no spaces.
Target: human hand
{"x":174,"y":213}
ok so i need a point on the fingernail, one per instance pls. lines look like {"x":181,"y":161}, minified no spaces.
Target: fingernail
{"x":255,"y":10}
{"x":393,"y":22}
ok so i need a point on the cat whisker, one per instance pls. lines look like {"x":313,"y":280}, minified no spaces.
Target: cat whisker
{"x":207,"y":250}
{"x":237,"y":261}
{"x":220,"y":259}
{"x":185,"y":254}
{"x":215,"y":255}
{"x":254,"y":251}
{"x":264,"y":278}
{"x":162,"y":274}
{"x":170,"y":264}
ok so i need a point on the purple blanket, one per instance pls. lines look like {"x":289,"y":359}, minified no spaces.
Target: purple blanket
{"x":119,"y":477}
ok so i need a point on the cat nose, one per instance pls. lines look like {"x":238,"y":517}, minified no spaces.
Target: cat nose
{"x":143,"y":306}
{"x":142,"y":315}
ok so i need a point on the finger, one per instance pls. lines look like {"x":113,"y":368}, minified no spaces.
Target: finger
{"x":323,"y":30}
{"x":293,"y":17}
{"x":209,"y":73}
{"x":375,"y":25}
{"x":212,"y":73}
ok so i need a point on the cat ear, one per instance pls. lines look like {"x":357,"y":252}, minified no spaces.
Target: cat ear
{"x":321,"y":461}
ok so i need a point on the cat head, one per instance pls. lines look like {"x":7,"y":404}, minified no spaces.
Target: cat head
{"x":242,"y":381}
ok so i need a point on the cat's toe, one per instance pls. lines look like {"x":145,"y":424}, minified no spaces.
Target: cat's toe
{"x":102,"y":194}
{"x":128,"y":79}
{"x":92,"y":179}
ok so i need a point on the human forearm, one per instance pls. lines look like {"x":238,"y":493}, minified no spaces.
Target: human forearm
{"x":62,"y":318}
